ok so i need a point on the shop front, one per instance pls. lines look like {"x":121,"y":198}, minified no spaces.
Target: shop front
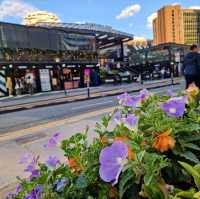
{"x":77,"y":76}
{"x":71,"y":76}
{"x":29,"y":79}
{"x":19,"y":79}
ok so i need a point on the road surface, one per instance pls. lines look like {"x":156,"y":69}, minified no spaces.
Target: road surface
{"x":28,"y":118}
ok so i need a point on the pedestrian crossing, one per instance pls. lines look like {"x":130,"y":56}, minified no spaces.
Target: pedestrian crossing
{"x":3,"y":90}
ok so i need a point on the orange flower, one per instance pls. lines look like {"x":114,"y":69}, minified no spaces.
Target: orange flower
{"x":121,"y":138}
{"x":131,"y":154}
{"x":113,"y":194}
{"x":192,"y":90}
{"x":73,"y":164}
{"x":104,"y":140}
{"x":164,"y":142}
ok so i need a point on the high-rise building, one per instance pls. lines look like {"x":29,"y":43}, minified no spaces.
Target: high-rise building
{"x":176,"y":25}
{"x":167,"y":26}
{"x":191,"y":21}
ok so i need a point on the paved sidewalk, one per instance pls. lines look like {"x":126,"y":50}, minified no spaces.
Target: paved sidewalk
{"x":42,"y":100}
{"x":32,"y":140}
{"x":10,"y":101}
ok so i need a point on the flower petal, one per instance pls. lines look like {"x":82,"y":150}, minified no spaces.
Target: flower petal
{"x":109,"y":174}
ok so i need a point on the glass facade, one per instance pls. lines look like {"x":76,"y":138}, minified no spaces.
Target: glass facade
{"x":114,"y":52}
{"x":76,"y":42}
{"x":23,"y":37}
{"x":191,"y":20}
{"x":34,"y":44}
{"x":156,"y":56}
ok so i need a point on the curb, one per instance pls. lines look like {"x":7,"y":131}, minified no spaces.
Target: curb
{"x":65,"y":100}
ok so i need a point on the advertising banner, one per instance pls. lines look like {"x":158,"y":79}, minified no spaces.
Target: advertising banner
{"x":87,"y":76}
{"x":45,"y":80}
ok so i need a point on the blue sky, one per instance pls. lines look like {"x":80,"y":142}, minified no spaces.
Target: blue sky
{"x":126,"y":15}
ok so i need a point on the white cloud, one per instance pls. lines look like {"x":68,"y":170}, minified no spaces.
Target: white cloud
{"x":195,"y":7}
{"x":176,"y":4}
{"x":150,"y":19}
{"x":129,"y":11}
{"x":15,"y":8}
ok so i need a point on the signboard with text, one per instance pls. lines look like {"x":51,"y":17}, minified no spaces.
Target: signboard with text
{"x":45,"y":80}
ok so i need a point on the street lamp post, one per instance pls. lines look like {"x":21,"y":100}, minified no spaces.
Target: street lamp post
{"x":172,"y":72}
{"x":171,"y":66}
{"x":57,"y":60}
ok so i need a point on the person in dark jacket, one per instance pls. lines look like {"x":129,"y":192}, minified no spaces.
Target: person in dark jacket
{"x":191,"y":67}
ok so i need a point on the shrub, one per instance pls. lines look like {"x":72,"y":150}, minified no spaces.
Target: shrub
{"x":152,"y":152}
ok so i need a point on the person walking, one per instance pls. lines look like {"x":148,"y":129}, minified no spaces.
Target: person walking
{"x":30,"y":82}
{"x":162,"y":73}
{"x":9,"y":86}
{"x":17,"y":86}
{"x":191,"y":66}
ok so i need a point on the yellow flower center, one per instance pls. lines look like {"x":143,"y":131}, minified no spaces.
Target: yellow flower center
{"x":121,"y":162}
{"x":172,"y":110}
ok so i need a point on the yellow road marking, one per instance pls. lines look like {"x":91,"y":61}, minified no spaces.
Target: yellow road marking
{"x":37,"y":129}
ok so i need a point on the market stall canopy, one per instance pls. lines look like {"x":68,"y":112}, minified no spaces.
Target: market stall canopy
{"x":105,"y":35}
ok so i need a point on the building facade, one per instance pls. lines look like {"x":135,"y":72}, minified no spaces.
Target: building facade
{"x":176,"y":25}
{"x":164,"y":57}
{"x":191,"y":22}
{"x":168,"y":25}
{"x":51,"y":57}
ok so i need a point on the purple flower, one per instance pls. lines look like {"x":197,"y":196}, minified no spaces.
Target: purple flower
{"x":52,"y":162}
{"x":35,"y":193}
{"x":126,"y":100}
{"x":130,"y":121}
{"x":174,"y":107}
{"x":170,"y":92}
{"x":112,"y":160}
{"x":53,"y":141}
{"x":118,"y":116}
{"x":32,"y":168}
{"x":10,"y":195}
{"x":18,"y":188}
{"x":61,"y":183}
{"x":35,"y":174}
{"x":25,"y":158}
{"x":143,"y":94}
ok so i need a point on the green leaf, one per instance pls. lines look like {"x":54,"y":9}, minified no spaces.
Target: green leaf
{"x":148,"y":179}
{"x":186,"y":194}
{"x":140,"y":156}
{"x":192,"y":146}
{"x":190,"y":156}
{"x":197,"y":180}
{"x":154,"y":192}
{"x":193,"y":138}
{"x":124,"y":183}
{"x":197,"y":167}
{"x":191,"y":170}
